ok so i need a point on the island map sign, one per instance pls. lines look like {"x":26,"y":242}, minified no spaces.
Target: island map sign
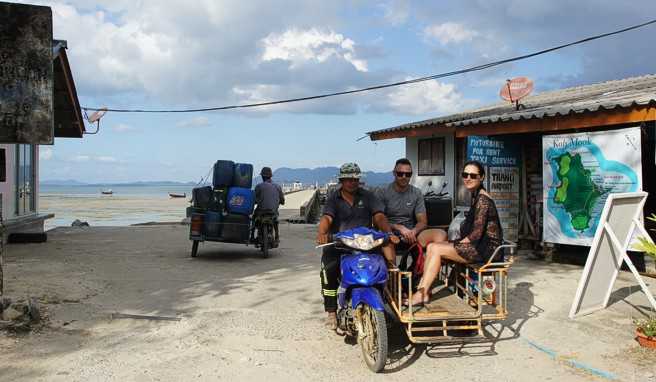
{"x":26,"y":74}
{"x":579,"y":172}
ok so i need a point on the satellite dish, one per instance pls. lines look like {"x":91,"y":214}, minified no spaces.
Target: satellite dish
{"x":97,"y":115}
{"x":516,"y":89}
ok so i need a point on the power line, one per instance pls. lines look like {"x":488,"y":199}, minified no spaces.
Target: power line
{"x":383,"y":86}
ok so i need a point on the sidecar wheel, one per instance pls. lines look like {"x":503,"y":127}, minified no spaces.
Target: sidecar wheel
{"x":194,"y":249}
{"x":373,"y":339}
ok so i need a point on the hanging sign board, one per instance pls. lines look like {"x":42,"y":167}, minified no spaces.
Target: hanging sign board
{"x":619,"y":221}
{"x":579,"y":172}
{"x":501,"y":157}
{"x":493,"y":151}
{"x":26,"y":74}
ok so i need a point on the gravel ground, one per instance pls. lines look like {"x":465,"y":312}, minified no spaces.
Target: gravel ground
{"x":247,"y":318}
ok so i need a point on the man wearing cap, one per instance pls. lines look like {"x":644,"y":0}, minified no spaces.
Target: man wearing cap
{"x":268,"y":196}
{"x":347,"y":207}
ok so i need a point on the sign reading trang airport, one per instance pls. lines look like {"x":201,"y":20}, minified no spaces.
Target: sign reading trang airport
{"x":26,"y":74}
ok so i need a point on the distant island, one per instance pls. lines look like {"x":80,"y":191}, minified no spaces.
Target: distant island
{"x":309,"y":176}
{"x":57,"y":182}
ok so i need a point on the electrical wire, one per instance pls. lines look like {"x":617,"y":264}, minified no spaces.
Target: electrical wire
{"x":388,"y":85}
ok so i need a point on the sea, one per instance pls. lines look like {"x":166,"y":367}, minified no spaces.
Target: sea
{"x":127,"y":205}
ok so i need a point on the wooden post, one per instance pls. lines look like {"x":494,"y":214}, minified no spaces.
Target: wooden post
{"x":2,"y":248}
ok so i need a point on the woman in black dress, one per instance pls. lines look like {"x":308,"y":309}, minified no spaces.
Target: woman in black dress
{"x":480,"y":233}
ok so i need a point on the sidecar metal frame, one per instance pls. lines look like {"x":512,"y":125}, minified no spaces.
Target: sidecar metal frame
{"x":457,"y":306}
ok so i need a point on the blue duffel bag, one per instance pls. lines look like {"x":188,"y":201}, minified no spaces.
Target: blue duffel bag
{"x":240,"y":200}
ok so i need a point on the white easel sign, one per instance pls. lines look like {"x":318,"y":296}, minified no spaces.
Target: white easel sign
{"x":619,"y":220}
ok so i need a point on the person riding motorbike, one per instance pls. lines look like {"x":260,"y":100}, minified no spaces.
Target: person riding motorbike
{"x":347,"y":207}
{"x":268,"y":197}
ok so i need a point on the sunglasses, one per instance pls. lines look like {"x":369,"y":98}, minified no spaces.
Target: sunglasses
{"x":402,"y":174}
{"x":470,"y":175}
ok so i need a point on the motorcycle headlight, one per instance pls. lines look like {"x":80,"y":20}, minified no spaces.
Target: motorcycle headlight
{"x":362,"y":242}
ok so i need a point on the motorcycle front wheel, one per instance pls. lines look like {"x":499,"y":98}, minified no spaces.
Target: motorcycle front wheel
{"x":373,"y":338}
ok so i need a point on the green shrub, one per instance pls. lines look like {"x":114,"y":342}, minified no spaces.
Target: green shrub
{"x":644,"y":244}
{"x":647,"y":326}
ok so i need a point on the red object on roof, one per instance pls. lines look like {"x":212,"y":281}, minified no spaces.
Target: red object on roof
{"x":516,"y":89}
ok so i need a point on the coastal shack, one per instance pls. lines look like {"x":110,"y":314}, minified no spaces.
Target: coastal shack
{"x":551,"y":159}
{"x":38,"y":104}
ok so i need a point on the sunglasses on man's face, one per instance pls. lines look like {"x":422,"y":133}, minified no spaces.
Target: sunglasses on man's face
{"x":470,"y":175}
{"x":402,"y":174}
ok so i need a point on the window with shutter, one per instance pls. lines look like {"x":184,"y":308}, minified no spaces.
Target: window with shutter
{"x":431,"y":156}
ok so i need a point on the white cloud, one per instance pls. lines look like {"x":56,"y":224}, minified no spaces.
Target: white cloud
{"x":194,"y":122}
{"x":81,"y":158}
{"x":428,"y":97}
{"x":448,"y":33}
{"x":313,"y":45}
{"x":396,"y":12}
{"x":45,"y":153}
{"x":106,"y":159}
{"x":121,"y":128}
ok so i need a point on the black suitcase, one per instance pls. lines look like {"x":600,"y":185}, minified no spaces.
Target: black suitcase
{"x":218,"y":202}
{"x":223,"y":173}
{"x":202,"y":197}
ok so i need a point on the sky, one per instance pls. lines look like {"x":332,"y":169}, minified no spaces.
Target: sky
{"x":207,"y":53}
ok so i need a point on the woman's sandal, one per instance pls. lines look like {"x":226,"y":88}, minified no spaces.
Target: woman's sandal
{"x":420,"y":291}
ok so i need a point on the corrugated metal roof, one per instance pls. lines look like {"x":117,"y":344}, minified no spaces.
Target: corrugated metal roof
{"x":589,"y":98}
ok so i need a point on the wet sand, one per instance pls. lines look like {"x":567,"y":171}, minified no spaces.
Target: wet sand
{"x":123,"y":210}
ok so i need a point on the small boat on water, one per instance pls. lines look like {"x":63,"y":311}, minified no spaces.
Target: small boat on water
{"x":177,"y":195}
{"x":107,"y":192}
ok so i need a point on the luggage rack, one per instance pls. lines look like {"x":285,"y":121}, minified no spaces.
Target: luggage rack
{"x":457,"y":308}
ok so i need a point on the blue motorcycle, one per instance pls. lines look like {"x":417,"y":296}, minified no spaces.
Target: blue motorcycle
{"x":361,"y":311}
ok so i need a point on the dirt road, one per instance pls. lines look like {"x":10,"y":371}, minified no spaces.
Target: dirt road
{"x":247,"y":318}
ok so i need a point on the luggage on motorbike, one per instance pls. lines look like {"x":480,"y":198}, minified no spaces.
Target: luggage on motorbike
{"x":219,"y":197}
{"x":213,"y":223}
{"x":236,"y":228}
{"x":202,"y":197}
{"x":240,"y":200}
{"x":243,"y":175}
{"x":223,"y":173}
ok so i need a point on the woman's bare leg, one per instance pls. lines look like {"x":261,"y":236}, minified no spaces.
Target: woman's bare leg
{"x":434,"y":255}
{"x":432,"y":235}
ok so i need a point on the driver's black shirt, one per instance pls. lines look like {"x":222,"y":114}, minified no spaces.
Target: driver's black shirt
{"x":345,"y":216}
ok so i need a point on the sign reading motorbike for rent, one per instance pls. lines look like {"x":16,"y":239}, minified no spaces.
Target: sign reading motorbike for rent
{"x":500,"y":156}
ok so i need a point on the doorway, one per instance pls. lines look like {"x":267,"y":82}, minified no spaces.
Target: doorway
{"x":25,"y":180}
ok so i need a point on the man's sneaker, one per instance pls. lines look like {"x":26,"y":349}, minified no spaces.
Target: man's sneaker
{"x":331,"y":321}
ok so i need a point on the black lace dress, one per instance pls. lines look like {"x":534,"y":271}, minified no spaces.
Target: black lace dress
{"x":483,"y":228}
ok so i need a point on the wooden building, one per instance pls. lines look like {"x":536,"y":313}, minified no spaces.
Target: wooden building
{"x":19,"y":163}
{"x":438,"y":147}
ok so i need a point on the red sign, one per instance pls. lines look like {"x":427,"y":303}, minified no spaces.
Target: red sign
{"x":516,"y":89}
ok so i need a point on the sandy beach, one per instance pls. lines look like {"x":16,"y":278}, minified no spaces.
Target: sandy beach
{"x":128,"y":209}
